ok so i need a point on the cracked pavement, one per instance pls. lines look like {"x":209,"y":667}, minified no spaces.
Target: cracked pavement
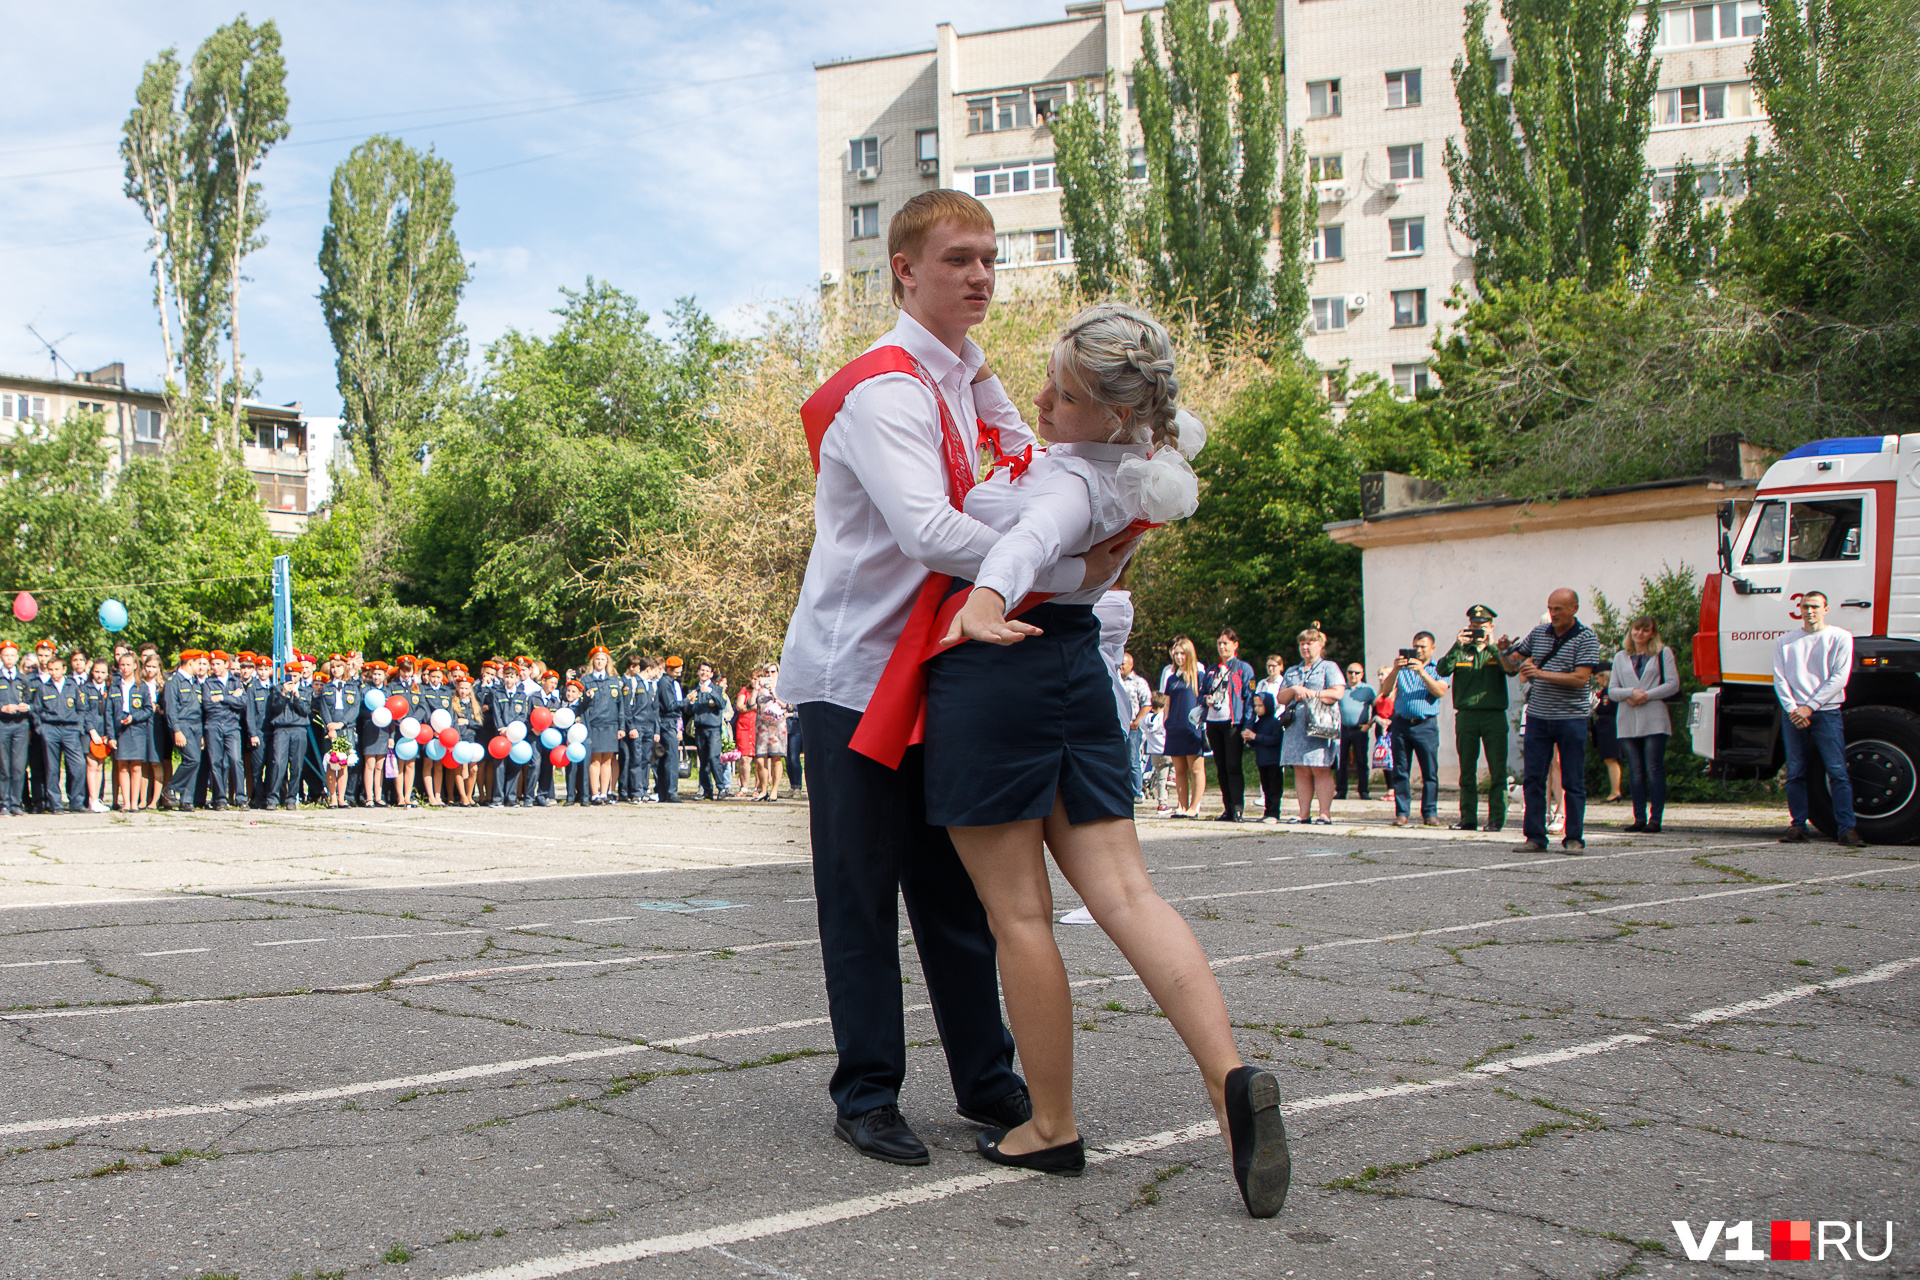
{"x":594,"y":1043}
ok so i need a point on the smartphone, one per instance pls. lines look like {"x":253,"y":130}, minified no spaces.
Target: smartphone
{"x":1410,"y":653}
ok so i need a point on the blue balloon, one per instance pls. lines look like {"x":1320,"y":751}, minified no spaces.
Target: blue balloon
{"x":550,"y":738}
{"x":521,"y":752}
{"x":435,"y":749}
{"x":406,"y":749}
{"x":576,"y":751}
{"x":113,"y":615}
{"x":373,"y":699}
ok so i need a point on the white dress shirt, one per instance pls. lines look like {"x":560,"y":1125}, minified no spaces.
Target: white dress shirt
{"x":882,"y":518}
{"x":1067,"y":501}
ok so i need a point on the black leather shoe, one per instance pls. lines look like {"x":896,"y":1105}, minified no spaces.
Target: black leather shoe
{"x":1849,"y":837}
{"x":1796,"y":834}
{"x":1069,"y":1159}
{"x":1008,"y":1112}
{"x":1261,"y":1163}
{"x":883,"y":1134}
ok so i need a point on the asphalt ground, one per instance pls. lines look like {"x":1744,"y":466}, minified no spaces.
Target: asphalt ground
{"x":512,"y":1048}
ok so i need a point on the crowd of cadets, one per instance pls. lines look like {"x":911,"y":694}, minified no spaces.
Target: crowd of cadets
{"x":219,"y":731}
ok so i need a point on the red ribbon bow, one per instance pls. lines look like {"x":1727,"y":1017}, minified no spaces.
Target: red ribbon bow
{"x":1015,"y":463}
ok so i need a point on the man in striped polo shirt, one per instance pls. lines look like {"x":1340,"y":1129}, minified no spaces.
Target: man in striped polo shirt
{"x":1557,"y":659}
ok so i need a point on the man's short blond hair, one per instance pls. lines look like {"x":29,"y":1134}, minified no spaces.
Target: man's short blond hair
{"x":908,"y":231}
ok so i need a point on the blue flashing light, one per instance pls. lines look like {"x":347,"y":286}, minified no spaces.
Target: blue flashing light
{"x":1846,"y":444}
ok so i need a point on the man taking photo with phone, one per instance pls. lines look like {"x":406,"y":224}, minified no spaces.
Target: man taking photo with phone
{"x":1558,"y":659}
{"x":1415,"y":733}
{"x":1479,"y":717}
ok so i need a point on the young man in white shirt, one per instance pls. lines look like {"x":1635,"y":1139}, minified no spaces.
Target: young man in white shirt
{"x":1810,"y":672}
{"x":885,"y":514}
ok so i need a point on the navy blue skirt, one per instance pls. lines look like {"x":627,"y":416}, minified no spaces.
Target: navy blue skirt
{"x":1010,"y":727}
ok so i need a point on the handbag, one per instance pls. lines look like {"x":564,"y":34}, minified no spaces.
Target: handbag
{"x":1382,"y":755}
{"x":1323,"y":719}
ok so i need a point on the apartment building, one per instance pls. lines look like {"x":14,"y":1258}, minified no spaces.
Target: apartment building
{"x":273,"y":446}
{"x":1369,"y":84}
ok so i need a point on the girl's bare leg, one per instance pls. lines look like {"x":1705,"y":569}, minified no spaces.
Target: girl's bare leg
{"x":1009,"y":870}
{"x":1197,"y":769}
{"x":1101,"y":859}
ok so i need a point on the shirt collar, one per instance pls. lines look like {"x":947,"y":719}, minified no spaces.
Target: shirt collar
{"x":1101,"y":450}
{"x":933,"y":353}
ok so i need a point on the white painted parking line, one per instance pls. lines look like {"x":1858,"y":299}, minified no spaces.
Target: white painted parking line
{"x":1236,"y":864}
{"x":606,"y":919}
{"x":1562,"y":860}
{"x":183,"y":951}
{"x":444,"y":933}
{"x":865,"y":1206}
{"x":37,"y":964}
{"x":543,"y":924}
{"x":291,"y":942}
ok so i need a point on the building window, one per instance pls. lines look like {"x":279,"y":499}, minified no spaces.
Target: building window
{"x":1048,"y":99}
{"x":926,"y":146}
{"x":1137,"y":164}
{"x":1407,"y":164}
{"x":1323,"y":99}
{"x":1701,"y":103}
{"x":23,"y":408}
{"x":1409,"y":308}
{"x":863,"y":153}
{"x":1324,"y":169}
{"x":1501,"y":72}
{"x":1051,"y":246}
{"x":1011,"y":179}
{"x":1329,"y":244}
{"x":1403,"y":89}
{"x":866,"y":221}
{"x":1411,"y":379}
{"x":1406,"y":236}
{"x":1003,"y":111}
{"x":282,"y":493}
{"x":1714,"y":182}
{"x":146,"y":425}
{"x":1329,"y":314}
{"x":1705,"y":23}
{"x":1333,"y":385}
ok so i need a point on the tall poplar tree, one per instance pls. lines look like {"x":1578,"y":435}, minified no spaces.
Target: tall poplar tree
{"x":1090,"y":154}
{"x":393,"y":280}
{"x":1549,"y":175}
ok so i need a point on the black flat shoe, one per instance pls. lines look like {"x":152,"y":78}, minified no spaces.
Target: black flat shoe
{"x":1069,"y":1159}
{"x":1634,"y":828}
{"x":1007,"y":1112}
{"x":882,"y":1134}
{"x":1261,"y":1163}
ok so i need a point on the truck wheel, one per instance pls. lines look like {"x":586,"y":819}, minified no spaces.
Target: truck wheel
{"x":1883,"y":759}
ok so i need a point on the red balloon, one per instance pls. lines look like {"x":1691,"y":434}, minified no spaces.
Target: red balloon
{"x":449,"y":737}
{"x":499,"y":747}
{"x":425,"y":735}
{"x":398,"y":707}
{"x":559,"y":756}
{"x":25,"y":607}
{"x":541,"y":719}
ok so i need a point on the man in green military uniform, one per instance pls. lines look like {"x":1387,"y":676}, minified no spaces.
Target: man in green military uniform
{"x":1479,"y":717}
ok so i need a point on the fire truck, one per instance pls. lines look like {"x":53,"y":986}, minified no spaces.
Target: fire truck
{"x":1840,"y":517}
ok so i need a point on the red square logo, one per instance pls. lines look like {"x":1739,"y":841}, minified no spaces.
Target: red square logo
{"x":1792,"y":1241}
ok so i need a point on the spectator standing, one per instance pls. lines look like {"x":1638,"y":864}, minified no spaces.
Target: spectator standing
{"x":1644,"y":676}
{"x":1228,"y":692}
{"x":1153,"y":732}
{"x":1356,"y":717}
{"x":1269,"y":738}
{"x":1479,"y":718}
{"x":745,"y":730}
{"x":1606,"y":736}
{"x":707,"y":704}
{"x":1810,"y":673}
{"x":769,"y":732}
{"x":1180,"y":682}
{"x":1558,"y":659}
{"x":1312,"y":680}
{"x":1139,"y":701}
{"x":1415,"y":733}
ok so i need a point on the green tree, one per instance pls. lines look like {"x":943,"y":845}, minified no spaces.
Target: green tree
{"x":1549,"y":175}
{"x":1212,"y":124}
{"x":1090,"y":154}
{"x":393,"y":276}
{"x":1688,"y":239}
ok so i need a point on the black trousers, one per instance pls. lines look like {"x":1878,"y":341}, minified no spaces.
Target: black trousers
{"x":1273,"y":781}
{"x":1228,"y":749}
{"x":1355,"y":743}
{"x":186,"y":770}
{"x":666,"y":770}
{"x":623,"y":771}
{"x":16,"y":738}
{"x":226,"y":765}
{"x":707,"y":743}
{"x":639,"y":765}
{"x":286,"y":757}
{"x":62,"y":744}
{"x":871,"y":847}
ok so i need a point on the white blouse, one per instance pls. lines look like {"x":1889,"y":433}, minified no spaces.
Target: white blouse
{"x":1068,"y":500}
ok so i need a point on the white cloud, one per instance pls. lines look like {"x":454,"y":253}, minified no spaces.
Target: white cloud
{"x":582,"y":142}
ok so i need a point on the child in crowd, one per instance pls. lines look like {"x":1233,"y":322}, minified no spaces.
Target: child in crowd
{"x":1056,"y":776}
{"x":1267,"y":735}
{"x":1153,"y":742}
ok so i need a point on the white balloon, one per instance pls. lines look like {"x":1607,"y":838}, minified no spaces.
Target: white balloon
{"x":381,"y":716}
{"x":410,"y":727}
{"x":578,"y":733}
{"x":564,"y":718}
{"x":441,"y":720}
{"x":517,"y":731}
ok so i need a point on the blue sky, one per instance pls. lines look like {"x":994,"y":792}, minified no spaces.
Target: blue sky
{"x":665,"y":148}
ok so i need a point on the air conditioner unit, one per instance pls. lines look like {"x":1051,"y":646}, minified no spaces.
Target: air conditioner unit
{"x":829,"y":277}
{"x":1332,"y":192}
{"x":867,"y":174}
{"x":1358,"y":302}
{"x":1389,"y":191}
{"x":929,"y":168}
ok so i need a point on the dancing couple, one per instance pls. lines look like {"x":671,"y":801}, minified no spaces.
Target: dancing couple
{"x":887,"y":637}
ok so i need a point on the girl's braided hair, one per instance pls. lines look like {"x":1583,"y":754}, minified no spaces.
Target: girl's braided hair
{"x":1122,"y":358}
